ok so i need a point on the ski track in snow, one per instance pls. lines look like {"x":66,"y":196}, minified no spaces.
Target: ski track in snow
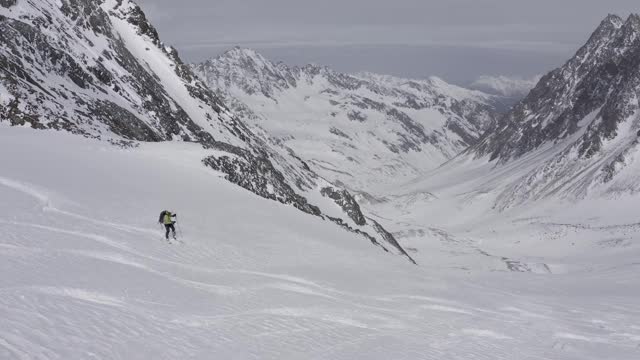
{"x":76,"y":286}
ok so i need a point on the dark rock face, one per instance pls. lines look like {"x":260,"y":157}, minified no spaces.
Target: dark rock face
{"x":348,"y":204}
{"x":412,"y":128}
{"x":599,"y":81}
{"x":390,"y":239}
{"x":351,"y":207}
{"x":122,"y":122}
{"x":7,"y":3}
{"x":258,"y":175}
{"x":357,"y":116}
{"x":139,"y":19}
{"x":339,"y":132}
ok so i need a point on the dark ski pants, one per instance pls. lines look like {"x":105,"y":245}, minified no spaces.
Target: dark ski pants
{"x":170,"y":227}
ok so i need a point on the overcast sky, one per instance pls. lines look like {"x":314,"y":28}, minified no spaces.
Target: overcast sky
{"x":455,"y":39}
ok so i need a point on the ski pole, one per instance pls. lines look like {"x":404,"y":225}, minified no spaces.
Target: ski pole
{"x":179,"y":230}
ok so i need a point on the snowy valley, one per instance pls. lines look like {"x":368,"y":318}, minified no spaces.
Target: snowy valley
{"x":366,"y":131}
{"x":321,"y":215}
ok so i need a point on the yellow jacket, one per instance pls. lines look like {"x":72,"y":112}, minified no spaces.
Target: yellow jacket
{"x":167,"y":218}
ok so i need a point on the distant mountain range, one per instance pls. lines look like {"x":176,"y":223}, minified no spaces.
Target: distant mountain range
{"x":363,"y":130}
{"x":371,"y":132}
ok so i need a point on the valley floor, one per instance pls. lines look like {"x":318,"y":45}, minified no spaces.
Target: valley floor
{"x":87,"y":274}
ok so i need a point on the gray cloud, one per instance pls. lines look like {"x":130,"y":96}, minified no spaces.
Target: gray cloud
{"x":546,"y":31}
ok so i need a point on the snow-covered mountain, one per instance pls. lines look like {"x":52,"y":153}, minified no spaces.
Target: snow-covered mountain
{"x":509,"y":86}
{"x":99,"y":69}
{"x":364,"y":130}
{"x":578,"y":128}
{"x":554,"y":179}
{"x":565,"y":157}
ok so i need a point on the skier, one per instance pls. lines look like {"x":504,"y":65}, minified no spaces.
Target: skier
{"x":166,"y":219}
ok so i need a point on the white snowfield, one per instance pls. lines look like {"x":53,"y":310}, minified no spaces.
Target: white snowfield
{"x":87,"y":274}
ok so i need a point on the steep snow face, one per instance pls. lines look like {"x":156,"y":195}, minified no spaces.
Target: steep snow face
{"x":366,"y":130}
{"x":87,"y":274}
{"x":98,"y":68}
{"x":580,"y":123}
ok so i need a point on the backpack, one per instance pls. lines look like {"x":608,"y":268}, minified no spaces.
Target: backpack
{"x":161,"y":218}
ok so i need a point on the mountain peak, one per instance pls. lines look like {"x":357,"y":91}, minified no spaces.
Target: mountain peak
{"x":240,"y":52}
{"x":633,"y":21}
{"x":612,"y":20}
{"x":133,"y":14}
{"x":244,"y":58}
{"x":247,"y":69}
{"x":606,"y":29}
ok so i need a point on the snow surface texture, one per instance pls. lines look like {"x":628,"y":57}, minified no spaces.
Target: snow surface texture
{"x":88,"y":274}
{"x":366,"y":130}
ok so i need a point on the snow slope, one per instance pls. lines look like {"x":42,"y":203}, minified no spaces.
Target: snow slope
{"x":456,"y":210}
{"x":87,"y":274}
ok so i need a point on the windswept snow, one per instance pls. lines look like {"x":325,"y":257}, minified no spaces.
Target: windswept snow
{"x":87,"y":273}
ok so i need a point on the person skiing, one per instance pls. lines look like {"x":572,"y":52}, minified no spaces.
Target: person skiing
{"x":167,"y":221}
